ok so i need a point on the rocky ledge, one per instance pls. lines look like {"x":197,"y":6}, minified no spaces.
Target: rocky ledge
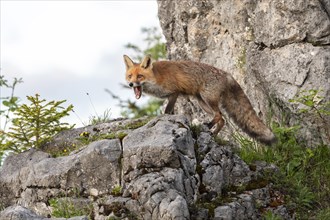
{"x":165,"y":169}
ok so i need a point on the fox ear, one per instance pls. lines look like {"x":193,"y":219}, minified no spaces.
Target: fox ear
{"x":128,"y":62}
{"x":146,"y":63}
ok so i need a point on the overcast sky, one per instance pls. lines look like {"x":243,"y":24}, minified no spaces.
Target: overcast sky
{"x":65,"y":49}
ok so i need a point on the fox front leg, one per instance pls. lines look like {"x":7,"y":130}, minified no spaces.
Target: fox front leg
{"x":170,"y":105}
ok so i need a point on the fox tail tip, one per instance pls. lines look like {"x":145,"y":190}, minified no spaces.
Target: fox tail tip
{"x":269,"y":138}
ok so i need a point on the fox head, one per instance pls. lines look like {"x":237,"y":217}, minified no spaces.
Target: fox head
{"x":138,"y":73}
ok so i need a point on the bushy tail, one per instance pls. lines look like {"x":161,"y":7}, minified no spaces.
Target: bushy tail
{"x":239,"y":108}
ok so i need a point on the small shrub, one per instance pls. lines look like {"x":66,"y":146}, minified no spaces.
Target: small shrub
{"x":116,"y":191}
{"x":65,"y":208}
{"x":36,"y":123}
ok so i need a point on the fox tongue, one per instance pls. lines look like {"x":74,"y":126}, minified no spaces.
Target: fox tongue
{"x":137,"y":91}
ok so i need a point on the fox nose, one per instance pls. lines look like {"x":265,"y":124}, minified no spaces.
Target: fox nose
{"x":130,"y":84}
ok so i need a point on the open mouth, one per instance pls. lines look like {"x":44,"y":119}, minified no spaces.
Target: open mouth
{"x":137,"y":91}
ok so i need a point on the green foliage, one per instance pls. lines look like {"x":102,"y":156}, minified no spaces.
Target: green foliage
{"x":65,"y":208}
{"x":8,"y":104}
{"x":35,"y":123}
{"x":271,"y":216}
{"x":86,"y":138}
{"x":312,"y":100}
{"x":304,"y":173}
{"x":156,"y":47}
{"x":314,"y":103}
{"x":55,"y":152}
{"x":132,"y":110}
{"x":323,"y":214}
{"x":116,"y":191}
{"x":106,"y":117}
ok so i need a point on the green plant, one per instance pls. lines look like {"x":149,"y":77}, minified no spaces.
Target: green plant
{"x":323,"y":214}
{"x":241,"y":60}
{"x":8,"y":104}
{"x":64,"y":151}
{"x":271,"y":216}
{"x":313,"y":102}
{"x":152,"y":108}
{"x":116,"y":191}
{"x":304,"y":173}
{"x":132,"y":110}
{"x":106,"y":117}
{"x":65,"y":208}
{"x":36,"y":123}
{"x":156,"y":47}
{"x":96,"y":119}
{"x":86,"y":138}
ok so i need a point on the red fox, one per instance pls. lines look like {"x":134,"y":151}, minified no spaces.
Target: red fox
{"x":211,"y":87}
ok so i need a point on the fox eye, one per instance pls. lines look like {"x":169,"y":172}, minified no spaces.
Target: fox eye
{"x":139,"y":76}
{"x":129,"y":76}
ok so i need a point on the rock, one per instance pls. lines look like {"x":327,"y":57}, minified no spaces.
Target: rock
{"x":241,"y":209}
{"x":162,"y":170}
{"x":21,"y":213}
{"x":111,"y":206}
{"x":223,"y":212}
{"x":71,"y":139}
{"x":221,"y":168}
{"x":289,"y":70}
{"x":274,"y":50}
{"x":159,"y":170}
{"x":33,"y":176}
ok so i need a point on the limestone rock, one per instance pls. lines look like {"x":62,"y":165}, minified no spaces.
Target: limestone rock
{"x":33,"y":177}
{"x":273,"y":49}
{"x":221,"y":168}
{"x":159,"y":170}
{"x":162,"y":170}
{"x":21,"y":213}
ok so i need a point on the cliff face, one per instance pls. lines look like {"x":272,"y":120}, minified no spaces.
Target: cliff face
{"x":275,"y":50}
{"x":162,"y":170}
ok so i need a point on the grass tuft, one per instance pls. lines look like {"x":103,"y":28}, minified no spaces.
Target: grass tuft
{"x":304,"y":171}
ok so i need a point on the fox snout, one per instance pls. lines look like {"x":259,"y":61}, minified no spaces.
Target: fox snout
{"x":135,"y":84}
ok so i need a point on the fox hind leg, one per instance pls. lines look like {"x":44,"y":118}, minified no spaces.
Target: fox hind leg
{"x":217,"y":118}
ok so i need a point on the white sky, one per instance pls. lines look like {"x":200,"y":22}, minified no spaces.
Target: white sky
{"x":64,"y":49}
